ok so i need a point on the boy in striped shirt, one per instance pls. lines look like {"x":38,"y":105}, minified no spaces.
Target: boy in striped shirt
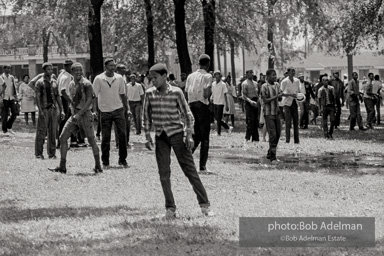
{"x":164,"y":107}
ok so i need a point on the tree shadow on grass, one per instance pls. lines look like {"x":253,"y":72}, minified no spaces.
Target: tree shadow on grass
{"x":10,"y":213}
{"x":159,"y":237}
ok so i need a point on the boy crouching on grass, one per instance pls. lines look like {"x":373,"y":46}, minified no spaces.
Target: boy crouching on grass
{"x":164,"y":107}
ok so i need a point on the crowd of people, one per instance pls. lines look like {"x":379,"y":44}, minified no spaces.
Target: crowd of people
{"x":180,"y":112}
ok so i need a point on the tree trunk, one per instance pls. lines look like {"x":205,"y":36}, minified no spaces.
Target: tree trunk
{"x":225,"y":59}
{"x":95,"y":39}
{"x":218,"y":57}
{"x":233,"y":69}
{"x":243,"y":52}
{"x":46,"y":34}
{"x":209,"y":28}
{"x":181,"y":37}
{"x":350,"y":65}
{"x":270,"y":35}
{"x":150,"y":36}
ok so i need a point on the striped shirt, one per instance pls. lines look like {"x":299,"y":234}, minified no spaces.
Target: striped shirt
{"x":268,"y":91}
{"x":165,"y":111}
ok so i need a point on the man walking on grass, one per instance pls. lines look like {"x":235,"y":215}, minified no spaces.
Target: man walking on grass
{"x":219,"y":95}
{"x":271,"y":95}
{"x":354,"y":104}
{"x":370,"y":101}
{"x":162,"y":108}
{"x":80,"y":99}
{"x":135,"y":95}
{"x":376,"y":89}
{"x":328,"y":105}
{"x":110,"y":90}
{"x":291,"y":87}
{"x":48,"y":101}
{"x":198,"y":90}
{"x":338,"y":86}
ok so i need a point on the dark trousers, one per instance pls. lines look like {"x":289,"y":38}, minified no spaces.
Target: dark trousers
{"x":7,"y":121}
{"x":127,"y":129}
{"x":370,"y":107}
{"x":282,"y":116}
{"x":202,"y":128}
{"x":252,"y":122}
{"x":67,"y":112}
{"x":219,"y":109}
{"x":291,"y":114}
{"x":274,"y":131}
{"x":338,"y":112}
{"x":355,"y":114}
{"x":98,"y":129}
{"x":377,"y":105}
{"x":304,"y":114}
{"x":107,"y":118}
{"x":135,"y":107}
{"x":46,"y":125}
{"x":185,"y":159}
{"x":328,"y":110}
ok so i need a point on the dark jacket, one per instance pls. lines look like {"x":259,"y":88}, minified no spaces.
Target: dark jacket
{"x":323,"y":96}
{"x":338,"y":86}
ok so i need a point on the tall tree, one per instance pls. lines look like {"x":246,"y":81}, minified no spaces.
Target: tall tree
{"x":94,"y":36}
{"x":209,"y":28}
{"x":150,"y":34}
{"x":270,"y":34}
{"x":181,"y":37}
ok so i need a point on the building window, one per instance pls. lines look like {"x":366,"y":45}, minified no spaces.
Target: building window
{"x":24,"y":66}
{"x":363,"y":73}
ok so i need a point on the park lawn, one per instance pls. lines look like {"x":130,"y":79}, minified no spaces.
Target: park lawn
{"x":120,"y":211}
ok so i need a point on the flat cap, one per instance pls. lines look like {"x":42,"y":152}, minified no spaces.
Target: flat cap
{"x":46,"y":64}
{"x":159,"y":67}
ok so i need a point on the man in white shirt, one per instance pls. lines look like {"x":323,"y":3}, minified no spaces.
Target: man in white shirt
{"x":9,"y":97}
{"x":198,"y":90}
{"x":219,"y":96}
{"x":110,"y":91}
{"x":290,"y":87}
{"x":135,"y":96}
{"x":63,"y":82}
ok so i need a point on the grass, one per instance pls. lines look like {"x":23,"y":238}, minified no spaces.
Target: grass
{"x":120,"y":211}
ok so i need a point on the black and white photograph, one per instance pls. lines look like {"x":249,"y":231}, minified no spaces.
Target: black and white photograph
{"x":192,"y":127}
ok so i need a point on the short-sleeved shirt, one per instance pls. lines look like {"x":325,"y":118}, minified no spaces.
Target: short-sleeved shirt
{"x":269,"y":91}
{"x":249,"y":89}
{"x":49,"y":90}
{"x":368,"y":88}
{"x":80,"y":92}
{"x":63,"y":81}
{"x":134,"y":92}
{"x":218,"y":92}
{"x":196,"y":83}
{"x":376,"y":86}
{"x":289,"y":87}
{"x":108,"y":92}
{"x":10,"y":90}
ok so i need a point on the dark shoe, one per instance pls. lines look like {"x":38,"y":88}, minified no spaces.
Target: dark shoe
{"x":40,"y":157}
{"x":52,"y":157}
{"x":73,"y":145}
{"x":58,"y":169}
{"x":97,"y":170}
{"x":138,"y":133}
{"x":124,"y":164}
{"x":269,"y":157}
{"x":82,"y":145}
{"x":305,"y":127}
{"x":362,"y":128}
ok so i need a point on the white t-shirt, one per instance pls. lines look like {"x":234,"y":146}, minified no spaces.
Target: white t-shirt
{"x":218,"y":92}
{"x":108,"y":91}
{"x":63,"y":81}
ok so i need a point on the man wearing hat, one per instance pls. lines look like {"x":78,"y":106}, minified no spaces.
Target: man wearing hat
{"x":135,"y":96}
{"x":48,"y":103}
{"x":198,"y":89}
{"x":250,"y":96}
{"x":63,"y":82}
{"x":8,"y":96}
